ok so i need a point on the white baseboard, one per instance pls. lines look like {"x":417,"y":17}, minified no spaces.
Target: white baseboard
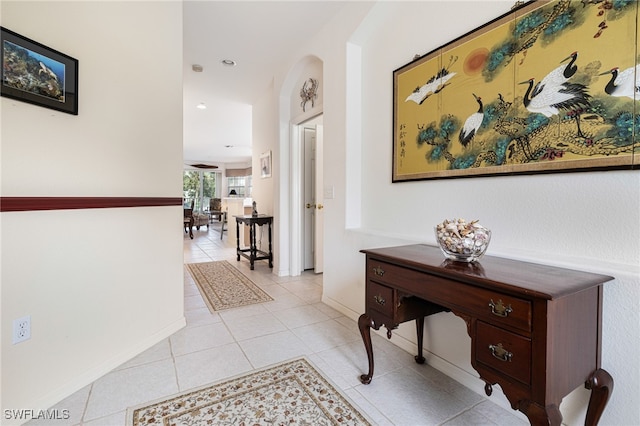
{"x":341,"y":308}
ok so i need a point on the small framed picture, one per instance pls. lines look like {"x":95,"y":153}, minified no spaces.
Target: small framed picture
{"x":265,"y":164}
{"x":37,"y":74}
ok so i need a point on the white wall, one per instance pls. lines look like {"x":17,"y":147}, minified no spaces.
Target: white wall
{"x":282,"y":100}
{"x":264,"y":132}
{"x":587,"y":221}
{"x":101,"y":285}
{"x":563,"y":219}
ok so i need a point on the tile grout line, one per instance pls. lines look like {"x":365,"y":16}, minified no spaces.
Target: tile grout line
{"x":173,"y":362}
{"x":86,"y":403}
{"x":237,"y":342}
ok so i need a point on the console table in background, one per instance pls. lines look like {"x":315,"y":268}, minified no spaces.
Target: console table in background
{"x":253,"y":252}
{"x":535,"y":330}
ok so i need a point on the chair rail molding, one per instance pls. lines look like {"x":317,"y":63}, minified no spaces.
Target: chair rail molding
{"x":21,"y":204}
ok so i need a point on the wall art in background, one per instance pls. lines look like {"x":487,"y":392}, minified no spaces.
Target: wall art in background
{"x":265,"y":164}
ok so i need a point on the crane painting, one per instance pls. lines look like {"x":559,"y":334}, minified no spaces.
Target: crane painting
{"x":539,"y":89}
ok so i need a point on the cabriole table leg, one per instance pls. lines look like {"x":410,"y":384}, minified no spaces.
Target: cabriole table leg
{"x":365,"y":324}
{"x":601,"y":385}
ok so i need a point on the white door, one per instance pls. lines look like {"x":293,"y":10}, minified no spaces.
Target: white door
{"x":308,"y":196}
{"x":319,"y":198}
{"x":313,"y":216}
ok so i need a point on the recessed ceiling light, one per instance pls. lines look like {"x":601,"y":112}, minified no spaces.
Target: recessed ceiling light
{"x":201,"y":105}
{"x":229,"y":62}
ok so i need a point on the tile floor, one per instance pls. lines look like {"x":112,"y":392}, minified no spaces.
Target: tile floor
{"x":215,"y":346}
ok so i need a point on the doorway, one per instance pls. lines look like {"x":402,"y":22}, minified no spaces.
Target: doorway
{"x":311,"y":183}
{"x":308,"y":197}
{"x":198,"y":187}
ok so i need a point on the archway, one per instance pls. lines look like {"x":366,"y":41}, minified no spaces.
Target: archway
{"x":290,"y":200}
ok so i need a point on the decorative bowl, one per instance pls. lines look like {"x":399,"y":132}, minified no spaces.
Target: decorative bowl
{"x":462,"y":241}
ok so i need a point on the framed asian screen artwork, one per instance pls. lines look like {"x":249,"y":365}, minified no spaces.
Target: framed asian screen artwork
{"x":37,"y":74}
{"x":551,"y":86}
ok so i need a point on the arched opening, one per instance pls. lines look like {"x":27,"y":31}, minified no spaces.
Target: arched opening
{"x":294,"y":179}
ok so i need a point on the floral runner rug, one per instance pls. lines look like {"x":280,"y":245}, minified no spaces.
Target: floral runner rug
{"x":223,"y":287}
{"x":292,"y":392}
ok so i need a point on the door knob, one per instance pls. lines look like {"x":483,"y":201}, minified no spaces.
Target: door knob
{"x":320,"y":206}
{"x":310,"y":206}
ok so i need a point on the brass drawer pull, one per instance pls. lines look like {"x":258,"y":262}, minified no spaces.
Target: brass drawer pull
{"x":500,"y":353}
{"x":499,"y":309}
{"x":380,"y":300}
{"x":378,"y":271}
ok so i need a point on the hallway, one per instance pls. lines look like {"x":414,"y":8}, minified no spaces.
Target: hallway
{"x":216,"y":346}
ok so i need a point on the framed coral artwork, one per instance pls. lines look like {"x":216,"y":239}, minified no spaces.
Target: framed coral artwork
{"x":37,"y":74}
{"x":548,"y":87}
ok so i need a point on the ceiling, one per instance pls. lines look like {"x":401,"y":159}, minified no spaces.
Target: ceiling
{"x":259,"y":36}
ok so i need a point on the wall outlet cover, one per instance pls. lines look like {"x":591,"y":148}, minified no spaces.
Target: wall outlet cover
{"x":21,"y":329}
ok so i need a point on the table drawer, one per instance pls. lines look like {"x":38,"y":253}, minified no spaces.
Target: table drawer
{"x":380,"y":298}
{"x":499,"y":308}
{"x":506,"y":352}
{"x":491,"y":306}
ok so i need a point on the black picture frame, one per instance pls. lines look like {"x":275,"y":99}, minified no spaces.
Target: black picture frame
{"x":37,"y":74}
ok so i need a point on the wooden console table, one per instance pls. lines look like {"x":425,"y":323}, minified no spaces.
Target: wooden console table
{"x":253,"y":252}
{"x":535,"y":330}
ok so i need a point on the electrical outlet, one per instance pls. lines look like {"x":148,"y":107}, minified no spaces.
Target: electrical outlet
{"x":21,"y":329}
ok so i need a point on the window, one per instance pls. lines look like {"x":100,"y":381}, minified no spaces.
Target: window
{"x":198,"y":187}
{"x":241,"y":184}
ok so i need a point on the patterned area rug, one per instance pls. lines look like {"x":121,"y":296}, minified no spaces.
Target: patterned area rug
{"x":223,"y":287}
{"x":293,"y":392}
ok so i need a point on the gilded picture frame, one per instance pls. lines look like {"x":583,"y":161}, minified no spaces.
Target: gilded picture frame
{"x":537,"y":90}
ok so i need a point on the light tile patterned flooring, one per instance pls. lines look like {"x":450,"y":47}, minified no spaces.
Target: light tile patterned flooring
{"x":216,"y":346}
